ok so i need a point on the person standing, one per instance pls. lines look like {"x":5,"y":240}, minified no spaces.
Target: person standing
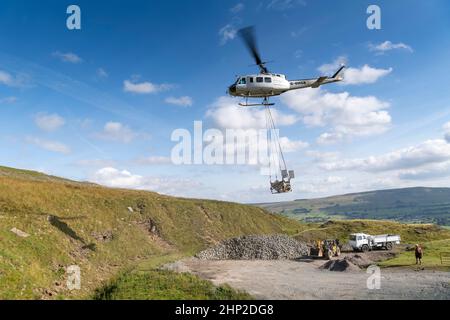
{"x":419,"y":253}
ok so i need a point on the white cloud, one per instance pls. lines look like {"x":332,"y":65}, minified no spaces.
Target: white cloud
{"x":48,"y":145}
{"x":247,"y":122}
{"x":334,"y":179}
{"x":288,"y":145}
{"x":153,"y":160}
{"x":298,"y":54}
{"x":116,"y":131}
{"x":346,"y":115}
{"x":49,"y":122}
{"x":94,"y":163}
{"x":319,"y":185}
{"x":428,"y":152}
{"x":364,"y":75}
{"x":6,"y":78}
{"x":388,"y":46}
{"x":116,"y":178}
{"x":113,"y":177}
{"x":322,"y":156}
{"x":69,"y":57}
{"x":446,"y":128}
{"x":331,"y":68}
{"x":282,"y":5}
{"x":227,"y":114}
{"x":85,"y":123}
{"x":101,"y":73}
{"x":144,"y":87}
{"x":251,"y":146}
{"x":184,"y":101}
{"x":299,"y":32}
{"x":237,"y":8}
{"x":330,"y":137}
{"x":353,"y":76}
{"x":435,"y":170}
{"x":227,"y":33}
{"x":18,"y":80}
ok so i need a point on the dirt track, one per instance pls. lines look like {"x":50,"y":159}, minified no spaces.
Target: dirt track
{"x":286,"y":279}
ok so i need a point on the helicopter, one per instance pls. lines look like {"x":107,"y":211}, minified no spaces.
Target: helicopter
{"x":266,"y":84}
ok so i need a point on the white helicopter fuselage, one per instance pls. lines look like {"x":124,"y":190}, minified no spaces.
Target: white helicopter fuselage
{"x":260,"y":85}
{"x":273,"y":84}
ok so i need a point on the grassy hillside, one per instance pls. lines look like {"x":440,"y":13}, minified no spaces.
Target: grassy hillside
{"x":426,"y":205}
{"x":119,"y":237}
{"x":432,"y":251}
{"x":104,"y":230}
{"x":410,"y":233}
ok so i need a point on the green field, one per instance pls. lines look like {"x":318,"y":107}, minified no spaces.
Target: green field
{"x":432,"y":251}
{"x":412,"y":205}
{"x":163,"y":284}
{"x":341,"y":229}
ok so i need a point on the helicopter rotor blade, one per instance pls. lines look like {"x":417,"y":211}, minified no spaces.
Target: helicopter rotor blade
{"x":248,"y":36}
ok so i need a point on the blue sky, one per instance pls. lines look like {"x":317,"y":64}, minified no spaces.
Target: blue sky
{"x":101,"y":103}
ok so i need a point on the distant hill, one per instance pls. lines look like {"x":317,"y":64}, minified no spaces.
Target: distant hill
{"x":426,"y":205}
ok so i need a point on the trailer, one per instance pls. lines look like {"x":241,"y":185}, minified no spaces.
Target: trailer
{"x":366,"y":242}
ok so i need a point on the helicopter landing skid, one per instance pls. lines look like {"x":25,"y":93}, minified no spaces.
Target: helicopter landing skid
{"x":256,"y":104}
{"x":264,"y":103}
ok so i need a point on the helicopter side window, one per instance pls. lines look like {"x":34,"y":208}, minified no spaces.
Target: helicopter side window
{"x":259,"y":79}
{"x":267,"y":79}
{"x":242,"y":81}
{"x":250,"y":79}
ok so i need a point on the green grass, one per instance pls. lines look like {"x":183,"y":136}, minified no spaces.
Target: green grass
{"x":163,"y":285}
{"x":313,"y":217}
{"x":431,"y":256}
{"x":31,"y":266}
{"x":411,"y":205}
{"x":410,"y":233}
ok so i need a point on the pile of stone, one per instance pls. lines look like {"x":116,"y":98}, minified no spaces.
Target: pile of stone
{"x":269,"y":247}
{"x":360,"y":260}
{"x":340,"y":265}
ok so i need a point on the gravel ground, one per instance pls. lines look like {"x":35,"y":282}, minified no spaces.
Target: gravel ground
{"x":304,"y":279}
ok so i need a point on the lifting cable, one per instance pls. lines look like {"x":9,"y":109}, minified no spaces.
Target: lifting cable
{"x":273,"y":138}
{"x":269,"y":144}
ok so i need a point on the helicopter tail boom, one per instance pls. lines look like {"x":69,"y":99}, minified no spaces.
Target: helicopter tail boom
{"x":317,"y":82}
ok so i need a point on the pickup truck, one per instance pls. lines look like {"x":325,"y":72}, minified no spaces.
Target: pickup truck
{"x":365,"y":242}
